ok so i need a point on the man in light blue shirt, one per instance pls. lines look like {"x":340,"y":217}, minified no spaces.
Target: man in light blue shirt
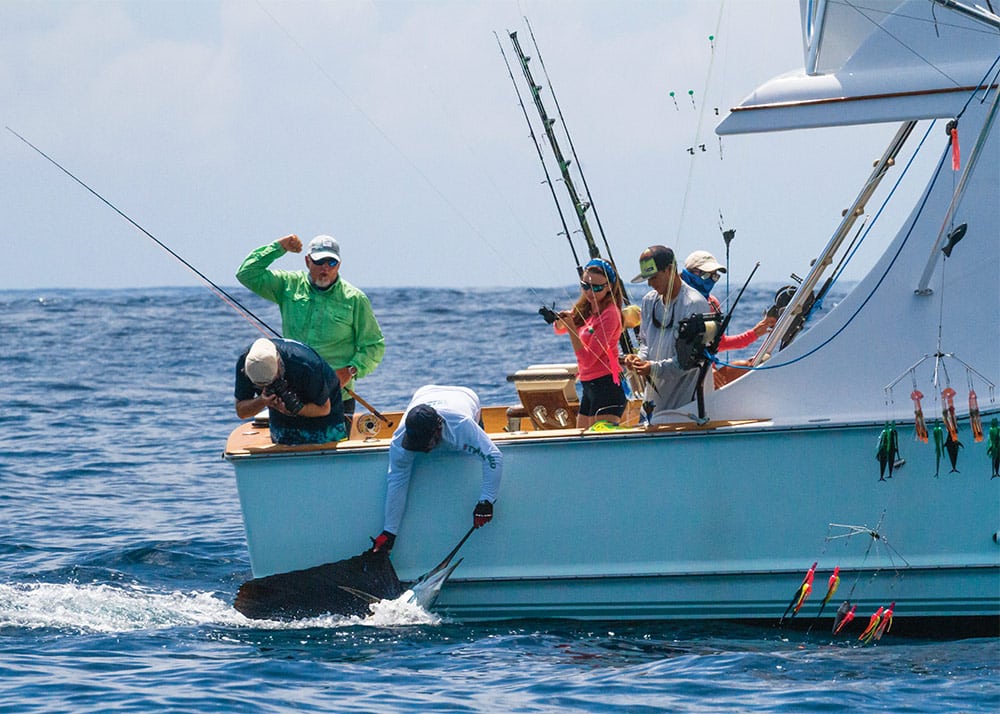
{"x":439,"y":417}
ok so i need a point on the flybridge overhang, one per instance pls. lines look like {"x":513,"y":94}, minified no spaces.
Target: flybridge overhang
{"x":866,"y":66}
{"x":796,"y":101}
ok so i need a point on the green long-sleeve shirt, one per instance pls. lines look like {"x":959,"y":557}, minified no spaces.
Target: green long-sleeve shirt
{"x":338,"y":322}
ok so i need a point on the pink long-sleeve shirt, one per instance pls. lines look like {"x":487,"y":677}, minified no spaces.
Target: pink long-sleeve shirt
{"x":599,"y":335}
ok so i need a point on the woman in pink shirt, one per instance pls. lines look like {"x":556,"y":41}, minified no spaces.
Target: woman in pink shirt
{"x":594,"y":325}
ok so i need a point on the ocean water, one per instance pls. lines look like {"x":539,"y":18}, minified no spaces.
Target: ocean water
{"x":121,"y":543}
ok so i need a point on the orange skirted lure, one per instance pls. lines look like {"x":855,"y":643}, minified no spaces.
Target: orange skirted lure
{"x":831,"y":587}
{"x":920,"y":426}
{"x":948,"y":412}
{"x":800,"y":595}
{"x":873,"y":623}
{"x":975,"y":420}
{"x":956,"y":153}
{"x":886,"y":622}
{"x":845,"y":613}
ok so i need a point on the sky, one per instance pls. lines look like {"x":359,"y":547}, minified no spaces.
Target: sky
{"x":394,"y":126}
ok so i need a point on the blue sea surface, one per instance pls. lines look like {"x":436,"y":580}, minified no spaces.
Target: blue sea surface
{"x":122,"y":546}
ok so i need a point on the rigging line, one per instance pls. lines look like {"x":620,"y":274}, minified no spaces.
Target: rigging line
{"x":226,"y":297}
{"x":697,"y":133}
{"x":902,"y":44}
{"x":501,"y":255}
{"x":881,"y":279}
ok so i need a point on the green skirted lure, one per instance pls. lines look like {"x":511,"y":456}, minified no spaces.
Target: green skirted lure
{"x":888,"y":450}
{"x":938,"y":448}
{"x":993,"y":446}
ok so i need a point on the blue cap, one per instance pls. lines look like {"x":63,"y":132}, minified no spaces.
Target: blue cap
{"x":605,"y":266}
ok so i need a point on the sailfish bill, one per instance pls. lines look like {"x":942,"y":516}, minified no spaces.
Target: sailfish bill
{"x":345,"y":588}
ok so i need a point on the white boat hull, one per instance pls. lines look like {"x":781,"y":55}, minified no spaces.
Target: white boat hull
{"x":637,"y":525}
{"x":723,"y":523}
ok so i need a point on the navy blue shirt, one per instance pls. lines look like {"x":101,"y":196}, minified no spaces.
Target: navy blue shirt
{"x":313,"y":381}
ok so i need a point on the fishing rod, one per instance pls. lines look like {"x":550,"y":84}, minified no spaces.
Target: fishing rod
{"x":222,"y":294}
{"x":580,"y":206}
{"x":541,"y":158}
{"x":713,"y":345}
{"x":226,"y":297}
{"x":572,"y":148}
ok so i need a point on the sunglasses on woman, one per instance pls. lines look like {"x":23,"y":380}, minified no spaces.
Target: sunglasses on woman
{"x":590,"y":286}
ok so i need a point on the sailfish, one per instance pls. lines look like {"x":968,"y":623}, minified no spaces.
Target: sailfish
{"x":346,"y":588}
{"x":800,"y":595}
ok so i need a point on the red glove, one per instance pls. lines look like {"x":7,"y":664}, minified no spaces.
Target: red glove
{"x":385,"y":541}
{"x":482,"y":514}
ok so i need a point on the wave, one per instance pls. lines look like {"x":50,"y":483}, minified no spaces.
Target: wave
{"x":74,"y":608}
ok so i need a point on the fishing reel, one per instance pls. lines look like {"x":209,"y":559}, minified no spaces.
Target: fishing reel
{"x":548,"y":314}
{"x":781,"y":300}
{"x":694,"y":334}
{"x":368,"y":425}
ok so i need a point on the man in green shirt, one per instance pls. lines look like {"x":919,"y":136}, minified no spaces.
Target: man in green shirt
{"x":319,"y":308}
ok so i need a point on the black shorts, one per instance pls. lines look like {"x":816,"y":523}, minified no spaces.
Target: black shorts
{"x":602,"y":397}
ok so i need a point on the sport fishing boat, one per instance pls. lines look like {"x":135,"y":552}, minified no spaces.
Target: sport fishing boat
{"x":803,"y":465}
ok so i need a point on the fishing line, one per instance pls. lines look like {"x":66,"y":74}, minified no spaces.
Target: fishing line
{"x":502,"y":256}
{"x":222,"y":294}
{"x":235,"y":304}
{"x":879,"y":26}
{"x":697,"y":134}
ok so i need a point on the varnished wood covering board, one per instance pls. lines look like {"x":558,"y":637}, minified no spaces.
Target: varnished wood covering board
{"x":248,"y":439}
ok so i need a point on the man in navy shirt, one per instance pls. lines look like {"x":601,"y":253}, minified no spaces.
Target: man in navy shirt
{"x":299,"y":389}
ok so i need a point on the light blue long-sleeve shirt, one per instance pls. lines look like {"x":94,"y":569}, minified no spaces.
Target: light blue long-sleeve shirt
{"x":459,"y":408}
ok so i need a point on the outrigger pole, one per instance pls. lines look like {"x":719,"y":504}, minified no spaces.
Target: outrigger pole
{"x":581,"y":207}
{"x":222,"y":294}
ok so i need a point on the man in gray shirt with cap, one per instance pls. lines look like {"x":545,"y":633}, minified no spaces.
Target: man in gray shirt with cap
{"x":670,"y":301}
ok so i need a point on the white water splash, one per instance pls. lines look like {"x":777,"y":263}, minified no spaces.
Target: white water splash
{"x":404,"y":610}
{"x":80,"y":608}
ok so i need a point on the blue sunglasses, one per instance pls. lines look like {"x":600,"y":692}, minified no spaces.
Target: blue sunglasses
{"x":596,"y":288}
{"x":332,"y":262}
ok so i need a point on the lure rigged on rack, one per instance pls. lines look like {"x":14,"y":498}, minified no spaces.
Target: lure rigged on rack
{"x":873,"y":623}
{"x":948,"y":412}
{"x":888,"y":450}
{"x":919,"y":426}
{"x":844,"y":616}
{"x":975,"y":418}
{"x":800,"y":595}
{"x":831,"y":587}
{"x":952,"y":446}
{"x":993,"y":447}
